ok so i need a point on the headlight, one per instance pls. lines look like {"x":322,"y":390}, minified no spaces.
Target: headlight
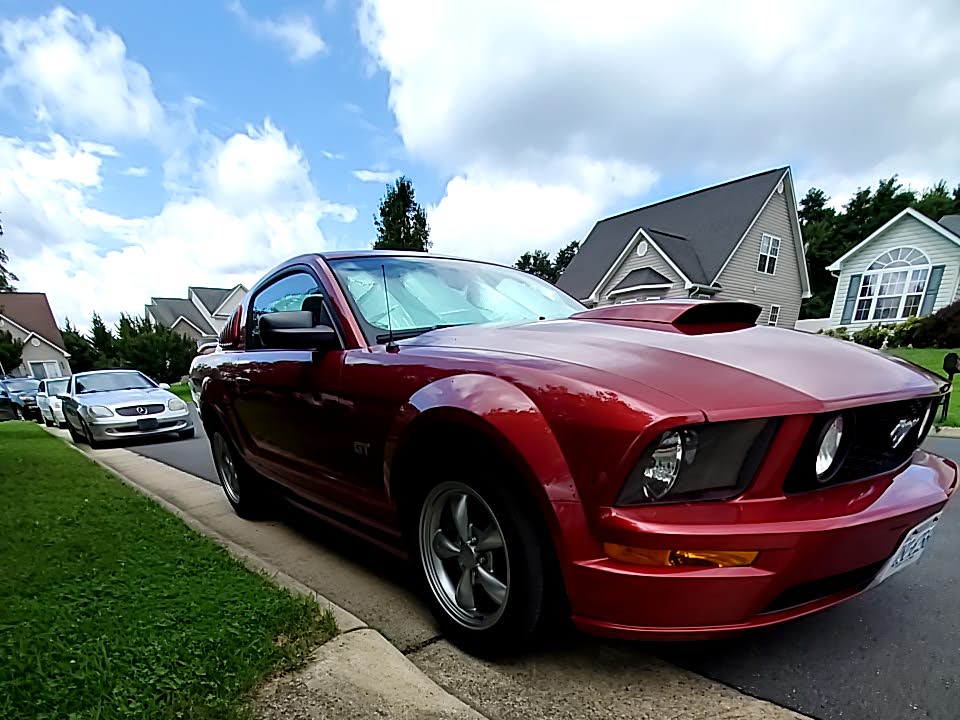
{"x":176,"y":404}
{"x":714,"y":461}
{"x":25,"y":398}
{"x":99,"y":411}
{"x":829,"y":449}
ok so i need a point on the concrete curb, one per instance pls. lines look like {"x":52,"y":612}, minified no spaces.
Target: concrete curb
{"x":946,"y":432}
{"x":359,"y":673}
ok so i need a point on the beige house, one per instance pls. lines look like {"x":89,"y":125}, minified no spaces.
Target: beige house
{"x":28,"y":318}
{"x":201,"y":315}
{"x":736,"y":241}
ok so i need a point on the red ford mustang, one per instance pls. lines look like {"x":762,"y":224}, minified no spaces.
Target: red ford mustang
{"x":658,"y":470}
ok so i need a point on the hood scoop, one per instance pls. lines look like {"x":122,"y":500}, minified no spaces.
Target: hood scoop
{"x":687,"y":316}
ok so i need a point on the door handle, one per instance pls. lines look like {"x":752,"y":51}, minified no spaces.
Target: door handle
{"x":242,"y":383}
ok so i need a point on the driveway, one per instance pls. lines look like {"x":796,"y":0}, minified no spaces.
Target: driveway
{"x":890,"y":653}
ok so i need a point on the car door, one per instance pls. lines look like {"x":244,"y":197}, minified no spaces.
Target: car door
{"x":287,"y":400}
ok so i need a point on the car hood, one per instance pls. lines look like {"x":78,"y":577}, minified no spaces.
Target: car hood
{"x":726,"y":374}
{"x":125,"y":397}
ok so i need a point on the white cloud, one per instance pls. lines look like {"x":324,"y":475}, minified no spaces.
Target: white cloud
{"x":135,"y":171}
{"x":331,"y":155}
{"x":252,"y":206}
{"x":294,"y":32}
{"x":379,"y":176}
{"x":693,"y":92}
{"x":79,"y":75}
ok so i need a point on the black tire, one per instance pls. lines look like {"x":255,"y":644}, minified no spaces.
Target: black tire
{"x":526,"y":608}
{"x":18,"y":414}
{"x":88,"y":437}
{"x":249,"y":493}
{"x":187,"y":434}
{"x":77,"y":438}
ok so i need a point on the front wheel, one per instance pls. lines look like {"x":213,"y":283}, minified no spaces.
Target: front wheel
{"x":483,"y":562}
{"x":18,"y":412}
{"x":246,"y":491}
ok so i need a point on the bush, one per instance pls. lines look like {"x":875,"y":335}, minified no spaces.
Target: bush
{"x":840,"y":333}
{"x":909,"y":333}
{"x":872,"y":336}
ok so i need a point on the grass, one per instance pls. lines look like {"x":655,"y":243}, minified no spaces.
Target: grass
{"x":182,"y":391}
{"x":932,"y":359}
{"x":110,"y":607}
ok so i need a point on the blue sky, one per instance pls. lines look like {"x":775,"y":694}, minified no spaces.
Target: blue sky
{"x":145,"y":147}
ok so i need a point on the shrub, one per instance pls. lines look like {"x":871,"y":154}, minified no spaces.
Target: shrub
{"x":909,"y":333}
{"x":840,"y":333}
{"x":872,"y":336}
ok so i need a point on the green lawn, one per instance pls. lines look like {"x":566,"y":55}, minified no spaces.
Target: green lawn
{"x":932,"y":359}
{"x":182,"y":391}
{"x":110,"y":607}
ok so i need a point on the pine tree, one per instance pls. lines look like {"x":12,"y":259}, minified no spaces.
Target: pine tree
{"x":402,"y":223}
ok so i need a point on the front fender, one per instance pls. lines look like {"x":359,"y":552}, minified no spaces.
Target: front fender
{"x":509,"y":418}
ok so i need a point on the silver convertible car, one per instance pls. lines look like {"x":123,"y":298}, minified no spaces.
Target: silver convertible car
{"x":104,"y":405}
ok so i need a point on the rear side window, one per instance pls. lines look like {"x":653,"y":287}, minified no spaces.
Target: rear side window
{"x":287,"y":293}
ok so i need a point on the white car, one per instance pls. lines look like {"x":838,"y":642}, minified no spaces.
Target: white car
{"x":51,"y":406}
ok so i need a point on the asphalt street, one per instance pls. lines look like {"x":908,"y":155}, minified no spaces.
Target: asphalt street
{"x":891,"y":653}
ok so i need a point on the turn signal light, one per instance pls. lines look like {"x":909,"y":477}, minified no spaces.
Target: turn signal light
{"x":680,"y":558}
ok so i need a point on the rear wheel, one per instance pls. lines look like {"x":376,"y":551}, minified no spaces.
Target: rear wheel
{"x":246,"y":491}
{"x":483,"y":561}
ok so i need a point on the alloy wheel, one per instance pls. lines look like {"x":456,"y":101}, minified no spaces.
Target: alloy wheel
{"x":20,"y":415}
{"x":226,"y":469}
{"x":464,"y":555}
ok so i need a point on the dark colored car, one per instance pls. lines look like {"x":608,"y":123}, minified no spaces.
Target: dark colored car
{"x":22,"y":393}
{"x":656,"y":470}
{"x":8,"y":411}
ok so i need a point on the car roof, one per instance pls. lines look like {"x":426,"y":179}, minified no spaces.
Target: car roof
{"x":362,"y":253}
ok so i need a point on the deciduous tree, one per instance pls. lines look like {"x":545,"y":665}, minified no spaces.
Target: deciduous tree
{"x":11,"y":351}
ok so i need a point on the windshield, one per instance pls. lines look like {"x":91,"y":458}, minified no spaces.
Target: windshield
{"x":57,"y":387}
{"x":105,"y":382}
{"x":21,"y":386}
{"x":426,"y":293}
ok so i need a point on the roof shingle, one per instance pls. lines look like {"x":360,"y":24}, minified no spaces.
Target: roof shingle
{"x":32,"y":311}
{"x":698,"y":231}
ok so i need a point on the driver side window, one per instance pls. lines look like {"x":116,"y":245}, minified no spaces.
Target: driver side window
{"x":298,"y":291}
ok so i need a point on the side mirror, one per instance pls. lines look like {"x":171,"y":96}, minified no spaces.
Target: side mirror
{"x":951,"y":364}
{"x":295,"y":329}
{"x":164,"y":386}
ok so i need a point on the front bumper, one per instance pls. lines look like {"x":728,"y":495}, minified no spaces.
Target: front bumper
{"x":816,"y":550}
{"x":121,"y":428}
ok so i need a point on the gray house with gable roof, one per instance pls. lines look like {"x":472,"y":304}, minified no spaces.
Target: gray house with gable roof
{"x":736,"y":241}
{"x":201,"y":315}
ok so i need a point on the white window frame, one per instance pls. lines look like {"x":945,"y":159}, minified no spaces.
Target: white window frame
{"x":767,"y":258}
{"x":773,"y":317}
{"x":42,"y":364}
{"x":875,"y":278}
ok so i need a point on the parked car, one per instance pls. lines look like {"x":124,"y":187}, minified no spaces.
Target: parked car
{"x":656,"y":470}
{"x":8,"y":411}
{"x":23,"y":395}
{"x":104,"y":405}
{"x":49,"y":402}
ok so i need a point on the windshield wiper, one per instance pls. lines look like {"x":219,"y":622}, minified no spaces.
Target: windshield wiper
{"x":413,"y":332}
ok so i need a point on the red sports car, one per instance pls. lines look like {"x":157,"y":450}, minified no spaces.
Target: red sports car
{"x":657,"y":470}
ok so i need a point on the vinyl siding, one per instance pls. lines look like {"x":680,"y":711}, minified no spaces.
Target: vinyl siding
{"x":39,"y":353}
{"x":740,"y":279}
{"x":907,"y":232}
{"x":652,"y":259}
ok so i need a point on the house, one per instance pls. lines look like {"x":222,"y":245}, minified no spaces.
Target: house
{"x":910,"y":266}
{"x":27,"y":317}
{"x":201,"y":315}
{"x":736,"y":241}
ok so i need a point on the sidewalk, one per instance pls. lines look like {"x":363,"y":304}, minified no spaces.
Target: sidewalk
{"x":360,"y":674}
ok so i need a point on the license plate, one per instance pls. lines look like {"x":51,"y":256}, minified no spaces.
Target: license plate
{"x":910,"y":549}
{"x":147,"y":424}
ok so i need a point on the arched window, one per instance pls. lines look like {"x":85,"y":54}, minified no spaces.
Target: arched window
{"x":893,"y":285}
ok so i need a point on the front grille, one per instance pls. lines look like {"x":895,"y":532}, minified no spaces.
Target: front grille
{"x":825,"y":587}
{"x":867,"y":448}
{"x":132,"y":411}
